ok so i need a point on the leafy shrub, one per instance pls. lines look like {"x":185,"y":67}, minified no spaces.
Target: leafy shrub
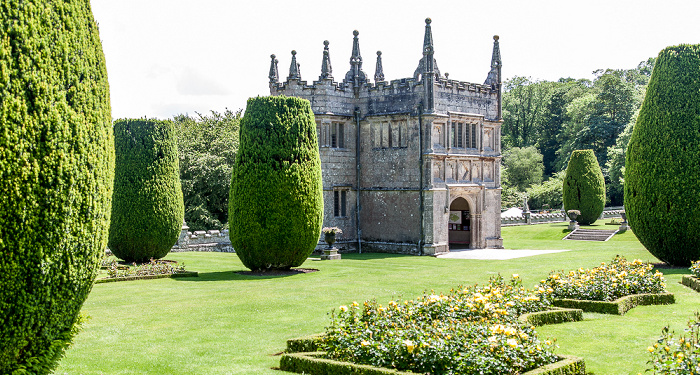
{"x":276,"y":202}
{"x":522,"y":167}
{"x":57,"y":168}
{"x":662,"y":199}
{"x":671,"y":356}
{"x":470,"y":330}
{"x":548,"y":194}
{"x":147,"y":209}
{"x":695,"y":268}
{"x":584,"y":186}
{"x":607,"y":282}
{"x":207,"y":146}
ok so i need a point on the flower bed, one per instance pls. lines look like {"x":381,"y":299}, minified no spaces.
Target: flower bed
{"x":469,"y":330}
{"x":691,"y":282}
{"x":611,"y":288}
{"x":607,"y":282}
{"x":675,"y":357}
{"x":314,"y":363}
{"x":155,"y":269}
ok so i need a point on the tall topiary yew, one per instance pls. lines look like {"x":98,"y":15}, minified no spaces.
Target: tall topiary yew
{"x":276,"y":200}
{"x":584,"y":186}
{"x":147,"y":208}
{"x":662,"y":170}
{"x":56,"y":175}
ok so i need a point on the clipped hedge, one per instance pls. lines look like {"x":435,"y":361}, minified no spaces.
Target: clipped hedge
{"x":56,"y":176}
{"x":554,"y":316}
{"x":276,"y":200}
{"x":147,"y":208}
{"x":584,"y":186}
{"x":619,"y":306}
{"x":313,"y":364}
{"x":691,"y":282}
{"x":662,"y":169}
{"x":305,"y":344}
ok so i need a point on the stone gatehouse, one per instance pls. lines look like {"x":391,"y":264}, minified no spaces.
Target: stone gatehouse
{"x":409,"y":166}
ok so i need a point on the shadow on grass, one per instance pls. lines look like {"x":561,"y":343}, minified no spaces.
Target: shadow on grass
{"x":233,"y":276}
{"x":373,"y":256}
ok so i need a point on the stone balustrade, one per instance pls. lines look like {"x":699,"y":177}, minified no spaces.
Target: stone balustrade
{"x":211,"y":240}
{"x":528,"y":218}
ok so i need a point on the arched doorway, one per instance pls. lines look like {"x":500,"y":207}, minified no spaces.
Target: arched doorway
{"x":459,"y":224}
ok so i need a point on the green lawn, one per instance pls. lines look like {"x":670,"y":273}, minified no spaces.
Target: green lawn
{"x":226,"y":323}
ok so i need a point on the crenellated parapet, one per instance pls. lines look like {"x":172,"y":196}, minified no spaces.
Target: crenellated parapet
{"x":427,"y":88}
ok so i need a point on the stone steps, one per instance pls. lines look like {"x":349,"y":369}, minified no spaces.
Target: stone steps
{"x":590,"y":235}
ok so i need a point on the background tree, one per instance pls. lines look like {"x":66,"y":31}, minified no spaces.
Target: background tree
{"x":276,"y":202}
{"x":147,"y":208}
{"x":207,"y":146}
{"x":662,"y":170}
{"x":547,"y":194}
{"x":523,"y":167}
{"x":615,"y":165}
{"x":57,"y":168}
{"x":584,"y":186}
{"x":524,"y":110}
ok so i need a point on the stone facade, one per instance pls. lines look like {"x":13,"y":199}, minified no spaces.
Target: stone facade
{"x":400,"y":158}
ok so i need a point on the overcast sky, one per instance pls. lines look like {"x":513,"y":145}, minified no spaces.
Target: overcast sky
{"x":167,"y":57}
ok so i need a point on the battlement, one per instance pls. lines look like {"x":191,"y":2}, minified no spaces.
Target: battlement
{"x":427,"y":87}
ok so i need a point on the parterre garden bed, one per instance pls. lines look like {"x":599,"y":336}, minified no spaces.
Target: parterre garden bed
{"x":226,"y":323}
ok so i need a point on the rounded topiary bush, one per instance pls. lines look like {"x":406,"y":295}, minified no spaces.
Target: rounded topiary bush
{"x":56,"y":175}
{"x":662,"y":170}
{"x":276,"y":200}
{"x":147,"y":208}
{"x":584,"y":186}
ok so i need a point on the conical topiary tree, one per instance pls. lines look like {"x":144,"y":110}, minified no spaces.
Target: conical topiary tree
{"x":147,"y":208}
{"x":56,"y":175}
{"x":662,"y":170}
{"x":276,"y":201}
{"x":584,"y":186}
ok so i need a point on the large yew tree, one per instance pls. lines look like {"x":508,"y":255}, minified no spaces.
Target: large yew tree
{"x":276,"y":201}
{"x":56,"y":175}
{"x":662,"y":175}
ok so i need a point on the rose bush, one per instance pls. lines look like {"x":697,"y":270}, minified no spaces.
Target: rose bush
{"x":607,"y":282}
{"x":467,"y":331}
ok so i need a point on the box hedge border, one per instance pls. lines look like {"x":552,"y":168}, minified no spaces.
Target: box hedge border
{"x":147,"y":277}
{"x":619,"y":306}
{"x":311,"y":363}
{"x":691,"y":282}
{"x":554,"y":316}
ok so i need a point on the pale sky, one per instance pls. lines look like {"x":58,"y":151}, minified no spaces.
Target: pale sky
{"x":167,"y":57}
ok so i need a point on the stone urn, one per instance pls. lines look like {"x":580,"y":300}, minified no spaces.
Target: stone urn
{"x":330,"y":252}
{"x":329,"y":237}
{"x":573,"y":214}
{"x":624,"y":226}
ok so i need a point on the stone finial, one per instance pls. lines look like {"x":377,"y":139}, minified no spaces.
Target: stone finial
{"x":326,"y":69}
{"x":494,"y":77}
{"x":355,"y":75}
{"x":428,"y":53}
{"x":379,"y":71}
{"x":294,"y":70}
{"x":274,"y":75}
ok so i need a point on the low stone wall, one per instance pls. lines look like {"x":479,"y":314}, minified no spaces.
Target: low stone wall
{"x":529,"y":218}
{"x":211,"y":240}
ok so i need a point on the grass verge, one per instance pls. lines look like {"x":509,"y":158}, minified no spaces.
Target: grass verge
{"x":223,"y":322}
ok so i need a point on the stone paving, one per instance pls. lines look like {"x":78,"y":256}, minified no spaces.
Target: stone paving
{"x":494,"y":254}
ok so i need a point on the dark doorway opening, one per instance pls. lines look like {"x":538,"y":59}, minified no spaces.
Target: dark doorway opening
{"x":459,"y":224}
